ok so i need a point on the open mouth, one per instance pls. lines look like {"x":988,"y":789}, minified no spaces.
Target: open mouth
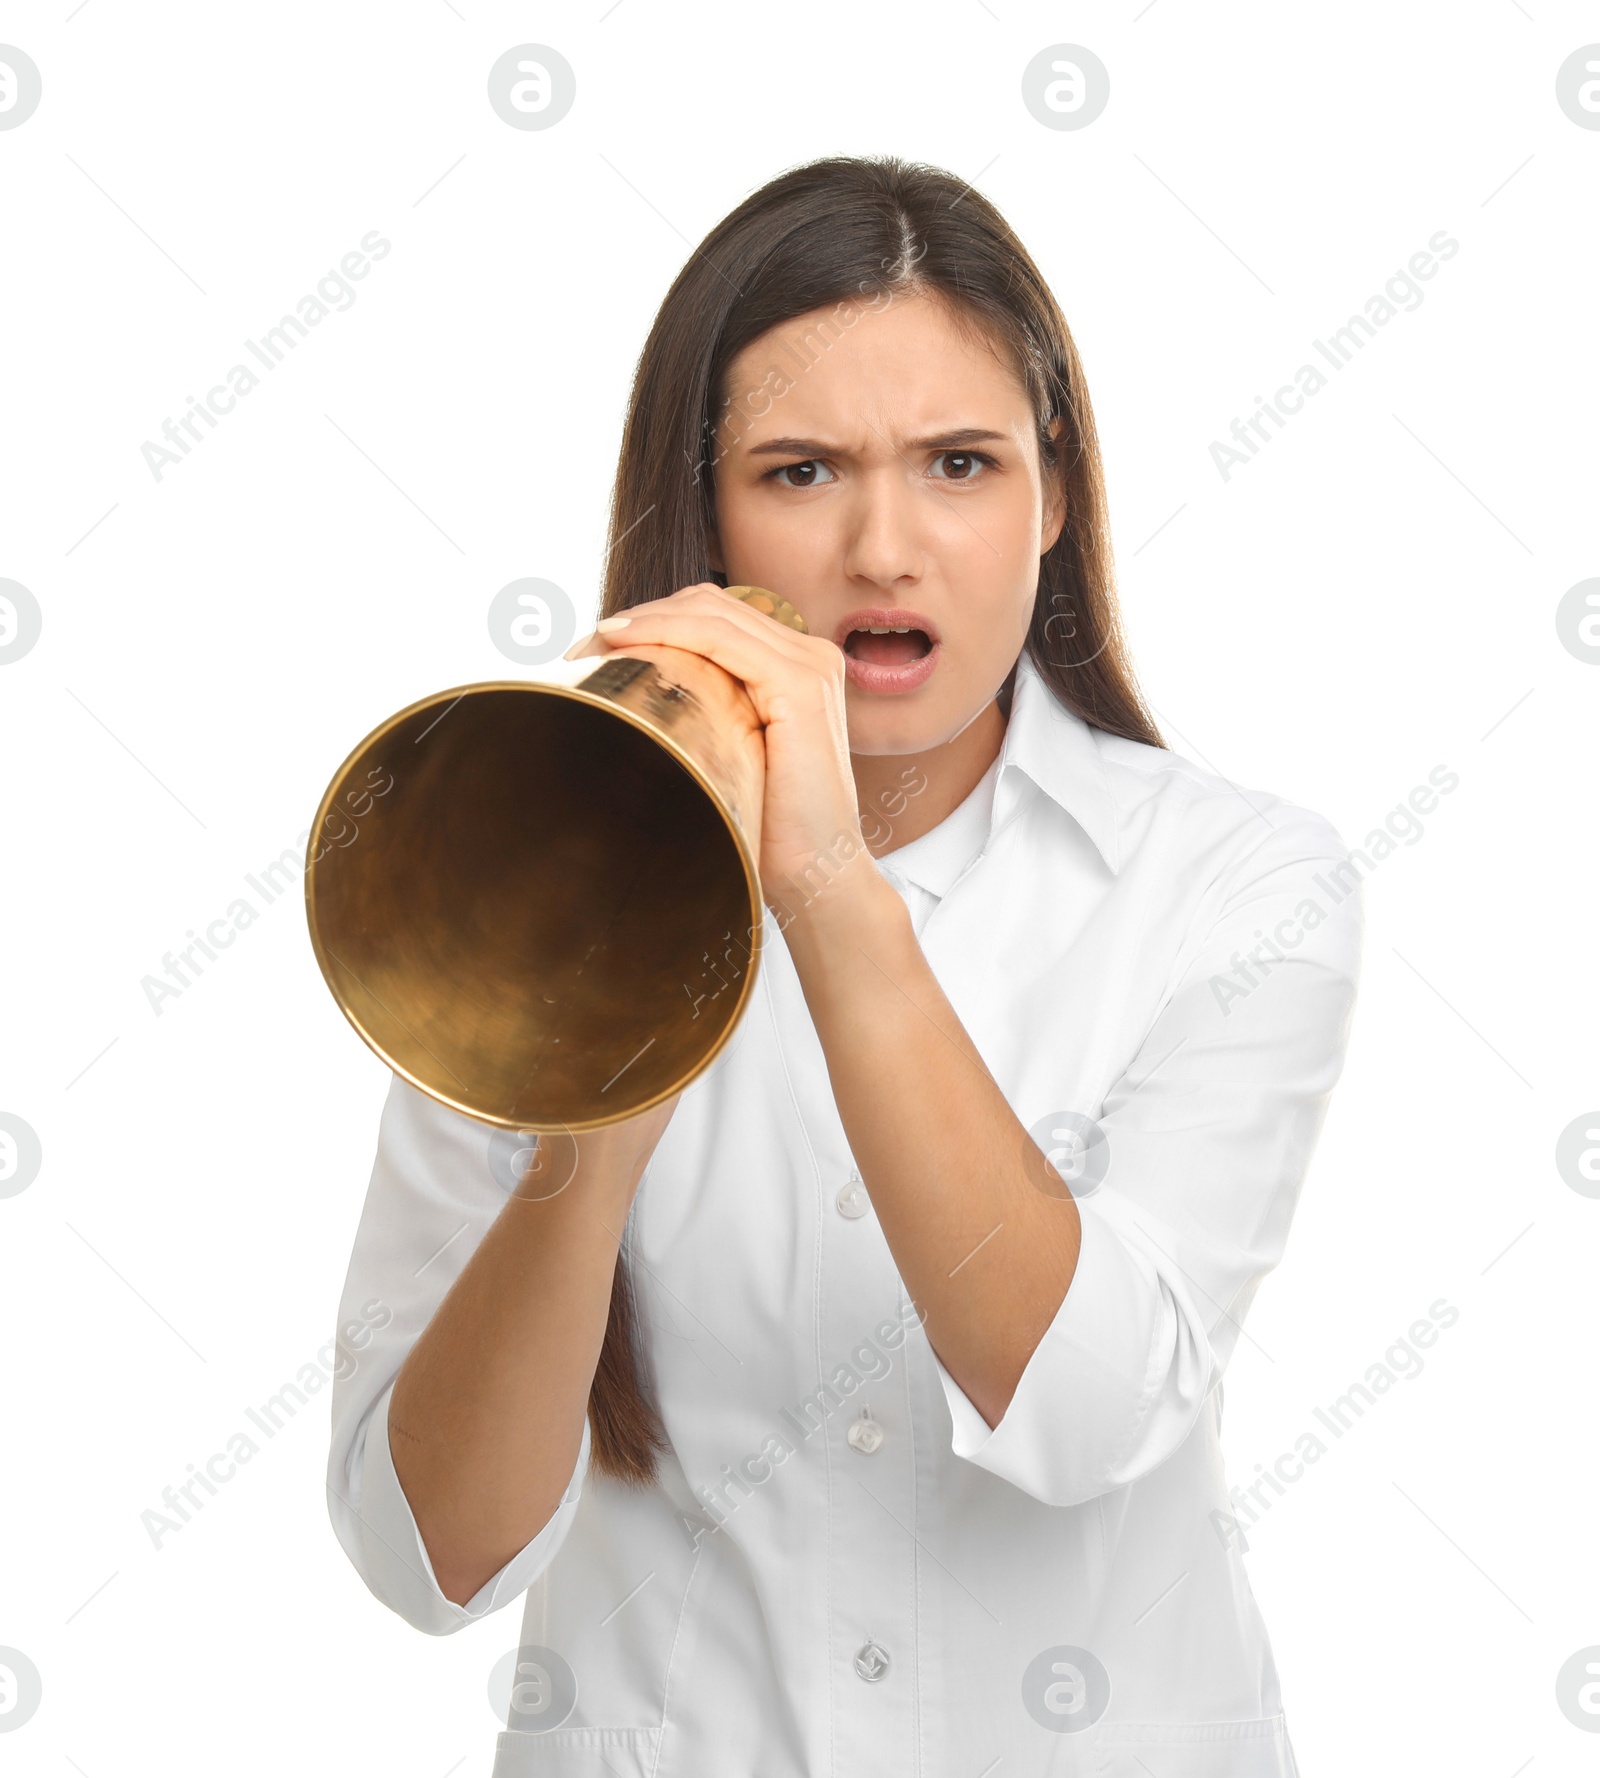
{"x":886,"y":647}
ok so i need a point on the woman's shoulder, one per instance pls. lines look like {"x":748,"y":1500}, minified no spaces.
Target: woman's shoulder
{"x":1161,"y":793}
{"x":1134,"y":797}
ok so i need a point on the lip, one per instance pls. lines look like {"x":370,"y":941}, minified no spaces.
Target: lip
{"x":868,"y":677}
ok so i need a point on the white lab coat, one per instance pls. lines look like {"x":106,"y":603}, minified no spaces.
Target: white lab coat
{"x":842,"y":1570}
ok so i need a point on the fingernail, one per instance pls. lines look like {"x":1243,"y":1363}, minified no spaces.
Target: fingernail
{"x":612,"y":623}
{"x":578,"y":646}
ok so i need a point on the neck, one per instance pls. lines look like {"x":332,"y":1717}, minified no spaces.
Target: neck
{"x":894,"y":811}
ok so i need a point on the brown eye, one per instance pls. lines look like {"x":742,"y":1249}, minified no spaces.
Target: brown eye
{"x":805,"y":474}
{"x":963,"y":466}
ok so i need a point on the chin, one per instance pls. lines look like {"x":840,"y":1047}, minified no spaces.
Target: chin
{"x":879,"y":730}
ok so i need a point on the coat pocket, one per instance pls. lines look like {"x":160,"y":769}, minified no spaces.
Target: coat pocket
{"x":576,"y":1753}
{"x":1256,"y":1748}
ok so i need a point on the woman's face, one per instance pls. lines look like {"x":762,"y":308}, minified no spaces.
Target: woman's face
{"x":886,"y":472}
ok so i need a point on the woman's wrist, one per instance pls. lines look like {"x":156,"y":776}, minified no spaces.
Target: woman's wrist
{"x":858,"y":909}
{"x":601,"y":1167}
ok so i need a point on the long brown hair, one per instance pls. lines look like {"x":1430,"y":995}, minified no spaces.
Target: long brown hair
{"x":847,"y":230}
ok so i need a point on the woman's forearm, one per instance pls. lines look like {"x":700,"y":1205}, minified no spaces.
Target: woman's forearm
{"x":986,"y":1256}
{"x":486,"y":1418}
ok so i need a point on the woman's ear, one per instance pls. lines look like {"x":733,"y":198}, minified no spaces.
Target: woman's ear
{"x":1055,"y":499}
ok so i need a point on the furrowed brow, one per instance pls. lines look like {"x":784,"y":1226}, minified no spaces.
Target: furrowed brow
{"x":955,"y":440}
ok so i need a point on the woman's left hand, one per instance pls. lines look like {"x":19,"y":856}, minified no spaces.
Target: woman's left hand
{"x":810,"y":825}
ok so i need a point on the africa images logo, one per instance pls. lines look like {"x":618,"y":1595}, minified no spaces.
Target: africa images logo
{"x":1401,"y":294}
{"x":334,"y":292}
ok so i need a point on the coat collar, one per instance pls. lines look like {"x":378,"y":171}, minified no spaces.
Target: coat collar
{"x":1056,"y":750}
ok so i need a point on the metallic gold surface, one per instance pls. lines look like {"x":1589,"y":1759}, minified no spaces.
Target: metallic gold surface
{"x":773,"y":604}
{"x":537,"y":900}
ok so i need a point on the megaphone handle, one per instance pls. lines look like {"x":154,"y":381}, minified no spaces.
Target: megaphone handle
{"x":774,"y":605}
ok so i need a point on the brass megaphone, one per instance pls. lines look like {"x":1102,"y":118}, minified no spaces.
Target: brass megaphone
{"x":538,"y":900}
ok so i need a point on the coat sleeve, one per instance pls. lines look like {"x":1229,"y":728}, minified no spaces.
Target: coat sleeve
{"x":1210,"y":1130}
{"x":432,"y":1197}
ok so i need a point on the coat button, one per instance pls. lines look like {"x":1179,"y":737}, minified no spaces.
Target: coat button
{"x":852,"y":1198}
{"x":864,"y":1433}
{"x":872,"y":1661}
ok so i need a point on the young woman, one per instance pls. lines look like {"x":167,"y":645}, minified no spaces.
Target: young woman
{"x":858,"y":1411}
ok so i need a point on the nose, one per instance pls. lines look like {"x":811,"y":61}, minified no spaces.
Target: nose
{"x":886,"y":542}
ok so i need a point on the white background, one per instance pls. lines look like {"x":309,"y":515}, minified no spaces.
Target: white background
{"x":1372,"y":596}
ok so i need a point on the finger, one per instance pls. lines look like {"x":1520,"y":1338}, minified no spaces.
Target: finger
{"x":742,"y":641}
{"x":595,"y":642}
{"x":707,"y":595}
{"x":719,"y":602}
